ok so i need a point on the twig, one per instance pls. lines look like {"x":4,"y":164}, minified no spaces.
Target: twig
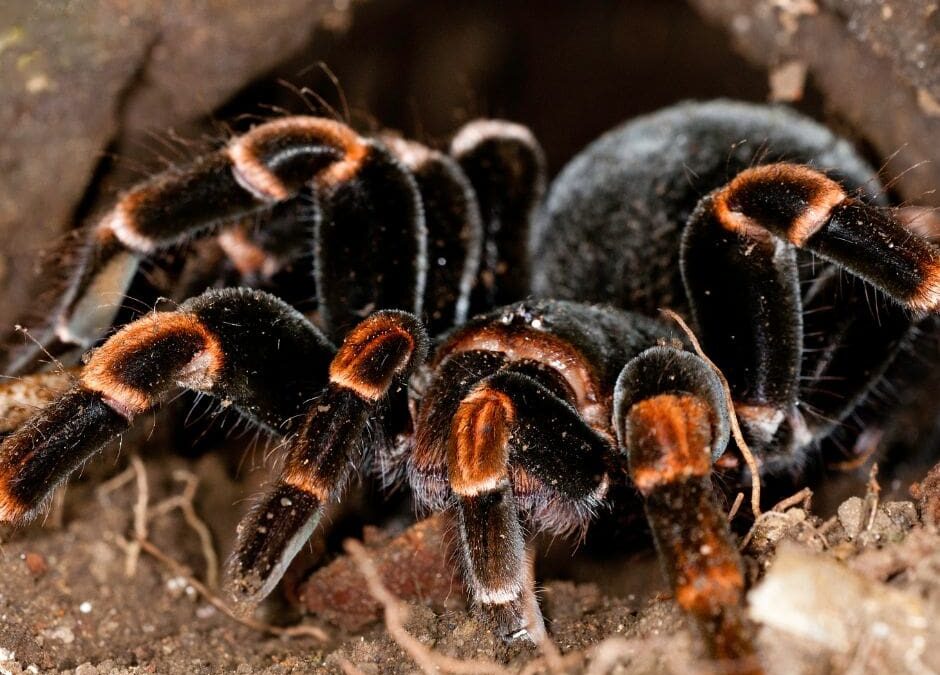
{"x":777,"y":511}
{"x":552,"y":658}
{"x":558,"y":663}
{"x":872,"y":498}
{"x":395,"y":617}
{"x":735,"y":506}
{"x":140,"y":516}
{"x":289,"y":631}
{"x":115,"y":483}
{"x":185,"y":503}
{"x":746,"y":453}
{"x":349,"y":668}
{"x":142,"y":543}
{"x":803,"y":495}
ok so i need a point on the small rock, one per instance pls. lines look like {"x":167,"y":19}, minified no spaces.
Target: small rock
{"x":35,"y":563}
{"x":807,"y":597}
{"x":850,"y":516}
{"x":891,"y":522}
{"x":902,"y":514}
{"x":415,"y":566}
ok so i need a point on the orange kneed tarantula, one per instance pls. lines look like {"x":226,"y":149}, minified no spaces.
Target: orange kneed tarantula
{"x":459,"y":342}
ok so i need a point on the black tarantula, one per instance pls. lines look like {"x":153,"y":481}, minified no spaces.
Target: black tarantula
{"x":523,"y":415}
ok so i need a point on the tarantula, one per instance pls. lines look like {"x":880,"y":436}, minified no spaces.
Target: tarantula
{"x":525,"y":414}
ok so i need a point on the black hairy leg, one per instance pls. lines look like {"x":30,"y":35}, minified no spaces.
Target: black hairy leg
{"x":298,"y":186}
{"x":251,"y":351}
{"x":454,"y":231}
{"x":672,"y":422}
{"x":366,"y":212}
{"x":508,"y":439}
{"x":739,"y":265}
{"x":378,"y":354}
{"x":241,"y":346}
{"x":506,"y":166}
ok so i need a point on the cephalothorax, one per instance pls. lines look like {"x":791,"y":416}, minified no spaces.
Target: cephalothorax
{"x":523,"y":415}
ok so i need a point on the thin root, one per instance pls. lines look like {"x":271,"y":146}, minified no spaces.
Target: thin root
{"x":217,"y":602}
{"x":746,"y":453}
{"x":738,"y":500}
{"x":184,"y":502}
{"x":140,"y":516}
{"x":395,"y":616}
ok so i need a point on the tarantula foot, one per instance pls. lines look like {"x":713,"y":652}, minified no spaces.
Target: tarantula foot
{"x":268,"y":539}
{"x":517,"y":621}
{"x":510,"y":625}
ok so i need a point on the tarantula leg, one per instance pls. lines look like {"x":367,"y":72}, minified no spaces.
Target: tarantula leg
{"x":495,"y":565}
{"x":850,"y":339}
{"x":740,"y":274}
{"x":512,"y":441}
{"x":244,"y":347}
{"x":745,"y":298}
{"x":270,"y":163}
{"x":262,"y":245}
{"x":671,"y":439}
{"x":506,"y":166}
{"x":455,"y":232}
{"x":366,"y":190}
{"x":811,"y":211}
{"x":493,"y":545}
{"x":658,"y":370}
{"x":378,"y":354}
{"x":549,"y":438}
{"x":427,"y":462}
{"x":492,"y":540}
{"x":370,"y":249}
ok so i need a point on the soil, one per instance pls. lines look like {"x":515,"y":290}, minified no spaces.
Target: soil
{"x":856,"y":592}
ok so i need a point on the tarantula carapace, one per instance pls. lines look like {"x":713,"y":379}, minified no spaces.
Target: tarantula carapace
{"x":522,"y":416}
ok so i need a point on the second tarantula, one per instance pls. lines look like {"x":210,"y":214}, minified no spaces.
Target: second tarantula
{"x":525,"y":414}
